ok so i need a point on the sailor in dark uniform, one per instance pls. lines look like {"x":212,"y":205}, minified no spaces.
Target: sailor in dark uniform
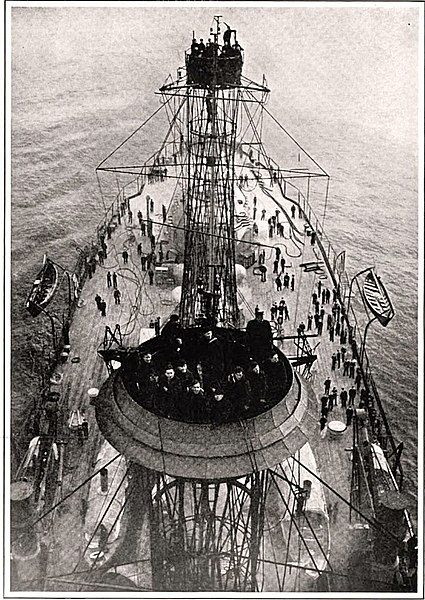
{"x":220,"y":408}
{"x":171,"y":336}
{"x":195,"y":408}
{"x":194,"y":48}
{"x":227,"y":35}
{"x":239,"y":391}
{"x":275,"y":373}
{"x":208,"y":52}
{"x":201,"y":47}
{"x":184,"y":374}
{"x":237,"y":47}
{"x":210,"y":360}
{"x":170,"y":392}
{"x":259,"y":337}
{"x":146,"y":379}
{"x":171,"y":330}
{"x":257,"y":381}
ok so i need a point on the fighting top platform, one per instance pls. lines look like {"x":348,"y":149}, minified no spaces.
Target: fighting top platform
{"x":158,"y":435}
{"x":214,"y":64}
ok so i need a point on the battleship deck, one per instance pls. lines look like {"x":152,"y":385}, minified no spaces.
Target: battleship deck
{"x":348,"y":544}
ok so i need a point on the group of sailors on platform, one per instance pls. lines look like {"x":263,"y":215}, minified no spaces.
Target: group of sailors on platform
{"x":212,"y":48}
{"x":206,"y":390}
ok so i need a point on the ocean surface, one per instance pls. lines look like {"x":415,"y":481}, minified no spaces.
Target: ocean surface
{"x":74,"y":100}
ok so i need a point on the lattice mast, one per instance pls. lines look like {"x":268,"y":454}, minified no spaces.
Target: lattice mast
{"x":209,"y":280}
{"x":207,"y":535}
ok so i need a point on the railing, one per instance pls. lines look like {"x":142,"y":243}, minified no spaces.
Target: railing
{"x":340,"y":281}
{"x":115,"y":209}
{"x":80,"y":269}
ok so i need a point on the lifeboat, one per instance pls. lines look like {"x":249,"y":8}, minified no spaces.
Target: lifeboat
{"x":377,"y":299}
{"x":43,"y":288}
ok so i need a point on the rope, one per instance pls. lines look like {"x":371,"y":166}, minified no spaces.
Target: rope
{"x":295,"y":141}
{"x":162,"y":445}
{"x":41,"y":517}
{"x":120,"y":512}
{"x":101,"y":520}
{"x":279,"y":583}
{"x":295,"y":523}
{"x":376,"y":524}
{"x":305,"y":514}
{"x":299,"y":287}
{"x":326,"y":201}
{"x":133,"y":133}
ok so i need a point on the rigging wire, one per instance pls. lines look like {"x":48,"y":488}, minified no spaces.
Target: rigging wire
{"x":295,"y":141}
{"x":161,"y":441}
{"x":259,"y":140}
{"x":104,"y":514}
{"x":133,"y":133}
{"x":101,"y":194}
{"x":288,"y":543}
{"x":269,"y":530}
{"x":300,"y":536}
{"x":292,"y":565}
{"x":215,"y":235}
{"x":326,"y":201}
{"x":111,"y":565}
{"x":58,"y":578}
{"x":299,"y":287}
{"x":298,"y":572}
{"x":375,"y":524}
{"x":291,"y":484}
{"x":118,"y":516}
{"x":108,"y":587}
{"x":41,"y":517}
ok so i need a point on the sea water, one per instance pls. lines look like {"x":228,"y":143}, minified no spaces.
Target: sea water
{"x":74,"y":99}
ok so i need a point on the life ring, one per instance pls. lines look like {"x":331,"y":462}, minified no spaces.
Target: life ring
{"x":56,"y":378}
{"x":75,"y":359}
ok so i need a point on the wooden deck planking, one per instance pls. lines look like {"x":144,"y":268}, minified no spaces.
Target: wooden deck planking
{"x":66,"y":541}
{"x":87,"y":333}
{"x":333,"y":456}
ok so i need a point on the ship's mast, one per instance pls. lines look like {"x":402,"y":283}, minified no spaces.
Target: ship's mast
{"x":209,"y":519}
{"x":209,"y":281}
